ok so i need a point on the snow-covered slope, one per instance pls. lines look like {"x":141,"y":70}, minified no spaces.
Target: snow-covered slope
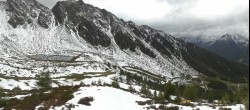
{"x":75,"y":37}
{"x":106,"y":100}
{"x":19,"y":43}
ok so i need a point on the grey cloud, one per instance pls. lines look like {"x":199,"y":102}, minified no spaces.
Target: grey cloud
{"x":179,"y":22}
{"x":48,"y":3}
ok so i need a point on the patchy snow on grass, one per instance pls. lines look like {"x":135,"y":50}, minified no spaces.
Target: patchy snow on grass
{"x":21,"y":96}
{"x":106,"y":79}
{"x":39,"y":106}
{"x":105,"y":98}
{"x":234,"y":107}
{"x":23,"y":84}
{"x":206,"y":107}
{"x":237,"y":107}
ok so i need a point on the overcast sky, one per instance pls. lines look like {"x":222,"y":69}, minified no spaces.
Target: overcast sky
{"x":186,"y":17}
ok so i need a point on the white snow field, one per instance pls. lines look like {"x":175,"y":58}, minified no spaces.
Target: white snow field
{"x":105,"y":98}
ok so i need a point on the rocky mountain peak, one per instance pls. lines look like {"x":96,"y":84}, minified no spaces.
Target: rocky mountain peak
{"x":2,"y":3}
{"x":226,"y":39}
{"x":27,"y":12}
{"x":236,"y":38}
{"x":131,"y":23}
{"x":227,"y":36}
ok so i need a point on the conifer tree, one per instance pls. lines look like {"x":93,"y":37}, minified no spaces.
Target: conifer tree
{"x":44,"y":80}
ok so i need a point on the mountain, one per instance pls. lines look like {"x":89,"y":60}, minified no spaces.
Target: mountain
{"x":232,"y":47}
{"x":75,"y":37}
{"x":77,"y":56}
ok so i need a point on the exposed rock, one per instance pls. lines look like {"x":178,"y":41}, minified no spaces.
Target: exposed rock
{"x":26,"y":11}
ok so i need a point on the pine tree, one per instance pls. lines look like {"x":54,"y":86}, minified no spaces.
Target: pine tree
{"x":190,"y":92}
{"x":149,"y":93}
{"x":169,"y":90}
{"x":99,"y":82}
{"x":160,"y":96}
{"x":3,"y":101}
{"x":210,"y":96}
{"x":246,"y":99}
{"x":44,"y":80}
{"x":155,"y":95}
{"x":143,"y":89}
{"x":115,"y":83}
{"x":131,"y":88}
{"x":1,"y":92}
{"x":238,"y":96}
{"x":225,"y":99}
{"x":16,"y":90}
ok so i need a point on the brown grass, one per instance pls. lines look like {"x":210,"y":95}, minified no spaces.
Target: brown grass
{"x":57,"y":97}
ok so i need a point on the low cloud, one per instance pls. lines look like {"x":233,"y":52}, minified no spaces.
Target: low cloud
{"x":185,"y":17}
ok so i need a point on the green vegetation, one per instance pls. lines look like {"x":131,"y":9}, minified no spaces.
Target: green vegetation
{"x":209,"y":95}
{"x":214,"y":66}
{"x":86,"y":101}
{"x":77,"y":77}
{"x":115,"y":83}
{"x":246,"y":97}
{"x":44,"y":80}
{"x":57,"y":97}
{"x":3,"y":101}
{"x":169,"y":89}
{"x":191,"y":92}
{"x":82,"y":76}
{"x":145,"y":90}
{"x":225,"y":99}
{"x":131,"y":89}
{"x":144,"y":73}
{"x":16,"y":90}
{"x":216,"y":89}
{"x":160,"y":98}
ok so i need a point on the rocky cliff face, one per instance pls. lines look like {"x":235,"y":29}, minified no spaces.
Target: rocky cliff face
{"x":28,"y":11}
{"x":98,"y":27}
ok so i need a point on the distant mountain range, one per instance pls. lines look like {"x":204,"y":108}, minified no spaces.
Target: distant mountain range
{"x":232,"y":47}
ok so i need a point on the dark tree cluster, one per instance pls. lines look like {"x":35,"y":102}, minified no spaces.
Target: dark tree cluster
{"x":216,"y":90}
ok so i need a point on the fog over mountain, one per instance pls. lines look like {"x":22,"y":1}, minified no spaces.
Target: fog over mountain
{"x":210,"y":18}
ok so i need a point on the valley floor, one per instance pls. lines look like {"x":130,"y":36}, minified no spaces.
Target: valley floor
{"x":67,"y":92}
